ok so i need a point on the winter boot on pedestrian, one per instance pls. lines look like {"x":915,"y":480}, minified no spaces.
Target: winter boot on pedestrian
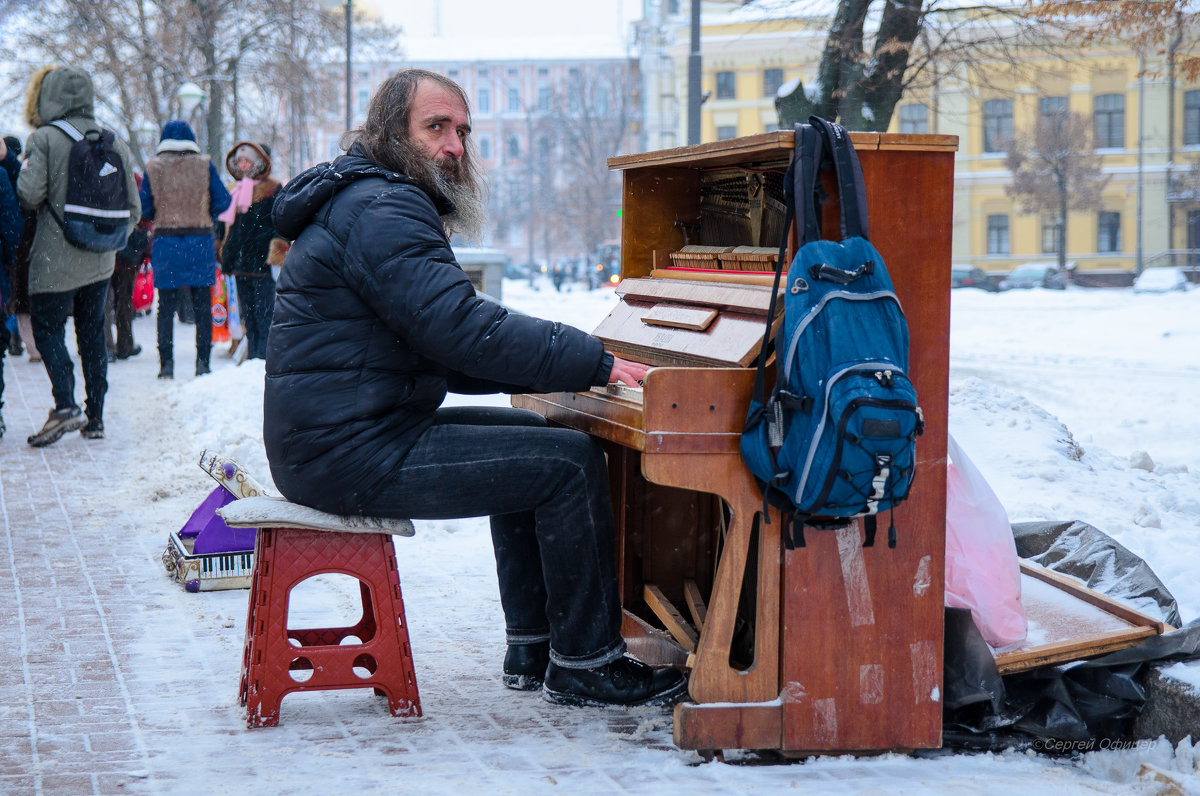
{"x":61,"y":421}
{"x":525,"y":665}
{"x":167,"y":370}
{"x":625,"y":681}
{"x":94,"y":429}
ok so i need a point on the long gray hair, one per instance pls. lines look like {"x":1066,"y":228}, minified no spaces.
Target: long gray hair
{"x":384,"y":136}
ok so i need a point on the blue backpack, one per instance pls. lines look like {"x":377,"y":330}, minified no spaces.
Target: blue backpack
{"x":836,"y":438}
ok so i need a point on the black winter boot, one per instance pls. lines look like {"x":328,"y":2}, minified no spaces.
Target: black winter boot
{"x":167,"y":370}
{"x":625,"y":681}
{"x":525,"y":665}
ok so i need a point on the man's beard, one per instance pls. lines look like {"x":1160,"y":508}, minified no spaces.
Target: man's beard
{"x":457,"y":185}
{"x":454,"y":180}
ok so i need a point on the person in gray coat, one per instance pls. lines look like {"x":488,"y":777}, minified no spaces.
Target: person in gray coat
{"x":64,"y":279}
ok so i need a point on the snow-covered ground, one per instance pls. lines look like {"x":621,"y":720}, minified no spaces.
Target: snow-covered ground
{"x":1075,"y":405}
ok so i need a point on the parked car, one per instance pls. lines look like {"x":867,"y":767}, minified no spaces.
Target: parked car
{"x":1034,"y":275}
{"x":1161,"y":280}
{"x":967,"y":276}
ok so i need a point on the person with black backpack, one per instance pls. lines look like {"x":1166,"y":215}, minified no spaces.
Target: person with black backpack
{"x":76,"y":177}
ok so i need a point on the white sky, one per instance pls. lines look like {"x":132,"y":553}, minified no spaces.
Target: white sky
{"x":510,"y":18}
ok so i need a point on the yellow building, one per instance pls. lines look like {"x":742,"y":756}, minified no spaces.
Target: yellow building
{"x":1149,"y":213}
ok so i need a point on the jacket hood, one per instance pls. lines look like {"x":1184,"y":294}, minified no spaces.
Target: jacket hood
{"x":177,"y":136}
{"x":178,"y":130}
{"x":303,"y":197}
{"x":258,"y":154}
{"x":57,"y":92}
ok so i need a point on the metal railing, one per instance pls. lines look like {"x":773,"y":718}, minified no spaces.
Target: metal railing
{"x":1184,"y":258}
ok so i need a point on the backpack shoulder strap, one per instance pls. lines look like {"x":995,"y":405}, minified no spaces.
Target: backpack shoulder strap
{"x":68,"y":128}
{"x":805,"y":187}
{"x":852,"y":192}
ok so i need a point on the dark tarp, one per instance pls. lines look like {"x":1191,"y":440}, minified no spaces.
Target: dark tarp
{"x":1070,"y":707}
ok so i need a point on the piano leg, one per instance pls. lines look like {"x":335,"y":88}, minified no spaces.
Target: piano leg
{"x":713,"y":678}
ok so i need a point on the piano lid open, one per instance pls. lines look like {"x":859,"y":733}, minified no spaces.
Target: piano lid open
{"x":688,"y":322}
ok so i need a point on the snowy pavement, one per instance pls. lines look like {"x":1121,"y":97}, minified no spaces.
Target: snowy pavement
{"x":114,"y":680}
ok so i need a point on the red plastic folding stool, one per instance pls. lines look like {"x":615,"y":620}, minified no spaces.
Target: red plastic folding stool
{"x":284,"y":557}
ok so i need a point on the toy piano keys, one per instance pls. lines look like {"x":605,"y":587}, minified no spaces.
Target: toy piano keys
{"x":205,"y":554}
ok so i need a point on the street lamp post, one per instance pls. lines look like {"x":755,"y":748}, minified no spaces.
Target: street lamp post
{"x":349,"y":7}
{"x":190,"y":96}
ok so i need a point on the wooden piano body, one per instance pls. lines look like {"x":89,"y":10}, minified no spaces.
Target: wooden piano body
{"x":828,"y":648}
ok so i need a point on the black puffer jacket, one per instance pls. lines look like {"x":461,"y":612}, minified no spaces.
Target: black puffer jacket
{"x":374,"y":322}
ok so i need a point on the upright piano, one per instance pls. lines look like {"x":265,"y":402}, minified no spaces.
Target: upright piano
{"x":832,"y":647}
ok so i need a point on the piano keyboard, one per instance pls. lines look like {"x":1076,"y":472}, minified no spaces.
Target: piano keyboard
{"x":227,"y":565}
{"x":622,"y":391}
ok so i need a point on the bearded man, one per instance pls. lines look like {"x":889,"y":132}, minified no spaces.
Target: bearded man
{"x":374,"y":322}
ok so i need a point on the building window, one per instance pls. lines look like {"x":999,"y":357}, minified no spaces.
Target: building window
{"x":543,"y":71}
{"x":483,"y":103}
{"x":602,"y":100}
{"x":513,"y":145}
{"x":364,"y":99}
{"x":485,"y":146}
{"x":1049,"y":236}
{"x":914,"y":118}
{"x":1110,"y":121}
{"x":512,"y":72}
{"x":452,"y":72}
{"x":726,"y":85}
{"x":574,"y":100}
{"x":1049,"y":106}
{"x":1109,"y":239}
{"x":1052,"y":112}
{"x":543,"y":99}
{"x":483,"y":72}
{"x":997,"y":234}
{"x":514,"y":100}
{"x":543,"y":149}
{"x":726,"y":131}
{"x":997,"y":125}
{"x":772,"y":80}
{"x":1191,"y":118}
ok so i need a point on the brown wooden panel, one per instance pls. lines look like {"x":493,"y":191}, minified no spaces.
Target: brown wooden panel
{"x":651,"y":203}
{"x":869,"y":675}
{"x":732,"y":339}
{"x":697,"y":399}
{"x":754,"y":149}
{"x":713,"y":727}
{"x":614,"y":420}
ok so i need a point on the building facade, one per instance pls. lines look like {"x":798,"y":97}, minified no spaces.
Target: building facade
{"x":1149,"y":210}
{"x":543,"y":128}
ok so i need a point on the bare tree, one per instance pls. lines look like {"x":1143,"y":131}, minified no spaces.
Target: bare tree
{"x":256,"y":60}
{"x":593,"y":118}
{"x":1054,"y":170}
{"x":910,"y":43}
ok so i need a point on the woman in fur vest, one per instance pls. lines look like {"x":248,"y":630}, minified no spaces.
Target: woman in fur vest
{"x":182,"y":194}
{"x":251,"y":246}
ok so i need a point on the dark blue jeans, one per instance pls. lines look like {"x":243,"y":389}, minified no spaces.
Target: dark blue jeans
{"x":256,"y":305}
{"x":546,"y":492}
{"x":169,"y":300}
{"x":48,"y":316}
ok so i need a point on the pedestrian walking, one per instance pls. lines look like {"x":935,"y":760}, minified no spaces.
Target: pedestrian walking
{"x":182,"y":194}
{"x":251,"y":246}
{"x":65,"y":278}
